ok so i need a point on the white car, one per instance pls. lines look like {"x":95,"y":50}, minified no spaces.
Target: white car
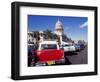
{"x":68,"y":47}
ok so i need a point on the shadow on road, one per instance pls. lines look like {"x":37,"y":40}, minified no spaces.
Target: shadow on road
{"x":70,"y":53}
{"x":67,"y":62}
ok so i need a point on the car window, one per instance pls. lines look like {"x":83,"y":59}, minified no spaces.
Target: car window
{"x":76,"y":44}
{"x":48,"y":46}
{"x":66,"y":45}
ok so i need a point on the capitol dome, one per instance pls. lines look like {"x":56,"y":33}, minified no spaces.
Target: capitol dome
{"x":58,"y":25}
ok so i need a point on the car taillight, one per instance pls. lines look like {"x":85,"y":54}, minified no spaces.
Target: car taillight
{"x":38,"y":52}
{"x":63,"y":56}
{"x":62,"y":53}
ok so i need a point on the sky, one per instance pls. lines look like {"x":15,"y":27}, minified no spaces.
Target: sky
{"x":75,"y":28}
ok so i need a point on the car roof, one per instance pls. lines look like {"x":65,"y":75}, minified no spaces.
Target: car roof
{"x":65,"y":43}
{"x":48,"y":42}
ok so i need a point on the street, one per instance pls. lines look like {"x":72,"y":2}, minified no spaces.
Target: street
{"x":79,"y":57}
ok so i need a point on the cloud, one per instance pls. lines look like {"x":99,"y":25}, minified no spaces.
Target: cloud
{"x":84,"y":24}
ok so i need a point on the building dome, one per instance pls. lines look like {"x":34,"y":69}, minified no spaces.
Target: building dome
{"x":58,"y":25}
{"x":59,"y":28}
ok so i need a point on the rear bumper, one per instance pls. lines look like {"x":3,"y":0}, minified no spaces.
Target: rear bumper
{"x":60,"y":61}
{"x":69,"y":50}
{"x":77,"y":49}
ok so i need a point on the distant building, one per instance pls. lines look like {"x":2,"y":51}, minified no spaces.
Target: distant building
{"x":33,"y":37}
{"x":30,"y":37}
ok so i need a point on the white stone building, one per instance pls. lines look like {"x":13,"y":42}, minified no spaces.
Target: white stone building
{"x":30,"y":38}
{"x":59,"y":29}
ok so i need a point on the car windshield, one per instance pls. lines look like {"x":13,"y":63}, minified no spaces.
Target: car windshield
{"x":76,"y":45}
{"x":48,"y":46}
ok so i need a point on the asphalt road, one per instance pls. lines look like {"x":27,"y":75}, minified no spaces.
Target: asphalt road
{"x":79,"y":57}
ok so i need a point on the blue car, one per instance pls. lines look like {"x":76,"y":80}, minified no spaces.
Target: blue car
{"x":81,"y":46}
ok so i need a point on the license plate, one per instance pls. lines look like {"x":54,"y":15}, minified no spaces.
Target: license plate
{"x":50,"y":62}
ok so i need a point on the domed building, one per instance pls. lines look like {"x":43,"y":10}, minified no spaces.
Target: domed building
{"x":59,"y":29}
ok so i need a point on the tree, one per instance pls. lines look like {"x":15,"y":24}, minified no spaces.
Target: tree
{"x":48,"y":34}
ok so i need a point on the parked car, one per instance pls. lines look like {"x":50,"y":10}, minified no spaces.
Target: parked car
{"x":49,"y":53}
{"x":77,"y":47}
{"x":68,"y":47}
{"x":81,"y":46}
{"x":31,"y":54}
